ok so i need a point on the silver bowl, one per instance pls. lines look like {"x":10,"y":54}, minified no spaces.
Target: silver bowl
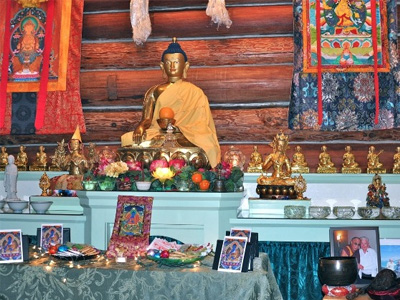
{"x":344,"y":212}
{"x":294,"y":211}
{"x":369,"y":212}
{"x":41,"y":206}
{"x":391,"y":212}
{"x":17,"y":205}
{"x":319,"y":212}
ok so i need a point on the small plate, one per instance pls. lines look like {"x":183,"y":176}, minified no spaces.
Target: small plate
{"x":175,"y":262}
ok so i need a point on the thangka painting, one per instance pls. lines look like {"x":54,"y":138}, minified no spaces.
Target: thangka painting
{"x":232,"y":254}
{"x":131,"y":232}
{"x":50,"y":235}
{"x":350,"y":43}
{"x":11,"y":246}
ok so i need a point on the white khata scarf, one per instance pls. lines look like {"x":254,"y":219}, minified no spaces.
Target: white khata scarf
{"x":140,"y":20}
{"x":217,"y":11}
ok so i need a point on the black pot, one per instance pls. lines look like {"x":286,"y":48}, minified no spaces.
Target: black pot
{"x":337,"y":271}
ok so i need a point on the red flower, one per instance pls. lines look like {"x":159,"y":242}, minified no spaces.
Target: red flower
{"x":177,"y":164}
{"x":158,"y":163}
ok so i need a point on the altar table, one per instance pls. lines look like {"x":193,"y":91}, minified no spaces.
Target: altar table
{"x":99,"y":280}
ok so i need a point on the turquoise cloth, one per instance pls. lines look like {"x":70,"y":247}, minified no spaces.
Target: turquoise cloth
{"x":96,"y":280}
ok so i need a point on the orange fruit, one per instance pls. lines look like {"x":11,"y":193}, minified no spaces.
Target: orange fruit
{"x":166,"y":113}
{"x":204,"y":185}
{"x":197,"y":177}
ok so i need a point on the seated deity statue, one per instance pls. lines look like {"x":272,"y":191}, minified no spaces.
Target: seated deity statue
{"x":22,"y":159}
{"x":75,"y":163}
{"x":282,"y":171}
{"x":377,"y":195}
{"x":188,"y":102}
{"x":3,"y":157}
{"x":255,"y":163}
{"x":58,"y":157}
{"x":396,"y":161}
{"x":40,"y":164}
{"x":325,"y":164}
{"x":349,"y":164}
{"x":299,"y":164}
{"x":373,"y":163}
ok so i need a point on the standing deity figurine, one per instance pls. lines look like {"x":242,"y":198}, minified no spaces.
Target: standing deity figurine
{"x":350,"y":166}
{"x":374,"y":165}
{"x":396,"y":161}
{"x":10,"y":179}
{"x":325,"y":163}
{"x":299,"y":164}
{"x":255,"y":163}
{"x":22,"y":159}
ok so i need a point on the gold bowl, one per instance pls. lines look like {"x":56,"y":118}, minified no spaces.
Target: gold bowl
{"x":163,"y":123}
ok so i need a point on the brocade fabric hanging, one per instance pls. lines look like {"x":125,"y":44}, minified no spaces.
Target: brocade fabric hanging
{"x":343,"y":48}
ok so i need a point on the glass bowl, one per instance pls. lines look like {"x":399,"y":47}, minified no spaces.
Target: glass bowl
{"x":294,"y":211}
{"x":319,"y":212}
{"x":369,"y":212}
{"x":344,"y":212}
{"x":391,"y":212}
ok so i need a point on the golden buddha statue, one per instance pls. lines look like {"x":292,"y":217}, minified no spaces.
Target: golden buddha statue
{"x":325,"y":164}
{"x":3,"y":158}
{"x":189,"y":104}
{"x":373,"y":163}
{"x":299,"y":164}
{"x":255,"y":163}
{"x":40,"y":164}
{"x":396,"y":161}
{"x":75,"y":163}
{"x":22,"y":159}
{"x":58,"y":157}
{"x":349,"y":165}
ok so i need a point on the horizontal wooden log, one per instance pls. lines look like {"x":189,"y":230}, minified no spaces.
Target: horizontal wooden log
{"x":259,"y":20}
{"x":249,"y":51}
{"x":239,"y":84}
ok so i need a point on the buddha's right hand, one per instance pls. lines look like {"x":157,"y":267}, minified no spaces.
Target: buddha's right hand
{"x":137,"y":138}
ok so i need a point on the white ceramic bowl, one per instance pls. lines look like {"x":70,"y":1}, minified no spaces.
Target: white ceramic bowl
{"x":344,"y":212}
{"x":369,"y":212}
{"x":41,"y":206}
{"x":143,"y":185}
{"x":17,"y":206}
{"x":319,"y":212}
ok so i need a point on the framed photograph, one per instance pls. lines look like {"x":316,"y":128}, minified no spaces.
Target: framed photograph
{"x":246,"y":232}
{"x":51,"y":234}
{"x":361,"y":243}
{"x":232,"y":254}
{"x":131,"y":232}
{"x":11,"y":248}
{"x":390,"y":255}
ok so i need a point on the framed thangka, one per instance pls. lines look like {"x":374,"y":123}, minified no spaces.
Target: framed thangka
{"x":11,"y":246}
{"x":131,"y":232}
{"x":346,"y":73}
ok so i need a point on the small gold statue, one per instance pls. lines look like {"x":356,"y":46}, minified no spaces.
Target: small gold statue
{"x":350,"y":166}
{"x":374,"y":165}
{"x":3,"y":158}
{"x":396,"y":159}
{"x":22,"y":159}
{"x":58,"y":157}
{"x":93,"y":155}
{"x":255,"y":163}
{"x":325,"y":163}
{"x":44,"y":185}
{"x":299,"y":164}
{"x":40,"y":164}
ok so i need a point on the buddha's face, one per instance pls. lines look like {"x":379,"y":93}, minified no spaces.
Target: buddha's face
{"x":174,"y":65}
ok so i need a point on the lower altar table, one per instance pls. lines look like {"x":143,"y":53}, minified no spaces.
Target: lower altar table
{"x":99,"y":280}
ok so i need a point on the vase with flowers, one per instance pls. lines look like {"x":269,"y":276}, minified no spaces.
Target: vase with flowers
{"x":89,"y":181}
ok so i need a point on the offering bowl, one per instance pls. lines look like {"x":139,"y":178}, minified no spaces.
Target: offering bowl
{"x":17,"y":205}
{"x":344,"y":212}
{"x":163,"y":123}
{"x":391,"y":212}
{"x":337,"y":270}
{"x":369,"y":212}
{"x":319,"y":212}
{"x":41,"y":206}
{"x":143,"y":185}
{"x":294,"y":211}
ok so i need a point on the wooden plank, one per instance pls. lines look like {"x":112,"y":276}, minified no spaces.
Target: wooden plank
{"x":259,"y":20}
{"x":239,"y":84}
{"x":249,"y":51}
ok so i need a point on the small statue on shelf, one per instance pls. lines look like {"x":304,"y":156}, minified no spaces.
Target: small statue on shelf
{"x":377,"y":195}
{"x":93,"y":156}
{"x":299,"y":164}
{"x":58,"y":157}
{"x":350,"y":166}
{"x":22,"y":159}
{"x":325,"y":163}
{"x":40,"y":164}
{"x":374,"y":165}
{"x":3,"y":158}
{"x":396,"y":159}
{"x":10,"y":179}
{"x":44,"y":185}
{"x":255,"y":163}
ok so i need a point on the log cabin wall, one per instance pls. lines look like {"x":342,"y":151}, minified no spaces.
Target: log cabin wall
{"x":245,"y":71}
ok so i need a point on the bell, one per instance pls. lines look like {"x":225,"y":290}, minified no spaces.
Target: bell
{"x":219,"y":186}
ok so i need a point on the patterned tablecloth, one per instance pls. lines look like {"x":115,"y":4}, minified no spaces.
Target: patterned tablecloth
{"x":100,"y":279}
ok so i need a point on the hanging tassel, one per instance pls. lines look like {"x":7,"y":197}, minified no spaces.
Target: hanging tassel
{"x":140,"y":20}
{"x":217,"y":11}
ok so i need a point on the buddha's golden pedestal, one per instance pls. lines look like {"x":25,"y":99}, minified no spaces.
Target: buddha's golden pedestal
{"x":37,"y":168}
{"x":22,"y":168}
{"x":300,"y":170}
{"x":351,"y":170}
{"x":376,"y":171}
{"x":276,"y":192}
{"x":254,"y":169}
{"x":326,"y":170}
{"x":54,"y":168}
{"x":2,"y":167}
{"x":396,"y":171}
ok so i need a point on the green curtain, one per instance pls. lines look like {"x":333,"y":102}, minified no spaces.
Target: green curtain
{"x":295,"y":265}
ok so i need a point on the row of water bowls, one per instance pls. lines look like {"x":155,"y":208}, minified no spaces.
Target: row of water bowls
{"x":340,"y":212}
{"x":17,"y":206}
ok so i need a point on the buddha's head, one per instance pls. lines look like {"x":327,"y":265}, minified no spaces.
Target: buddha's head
{"x":174,"y":62}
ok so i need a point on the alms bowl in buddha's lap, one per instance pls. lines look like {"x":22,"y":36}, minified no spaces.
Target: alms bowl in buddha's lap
{"x":338,"y":271}
{"x":163,"y":123}
{"x":369,"y":212}
{"x":319,"y":212}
